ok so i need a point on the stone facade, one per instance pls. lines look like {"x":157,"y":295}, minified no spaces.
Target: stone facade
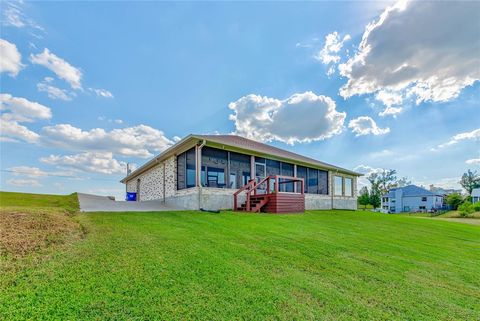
{"x":160,"y":183}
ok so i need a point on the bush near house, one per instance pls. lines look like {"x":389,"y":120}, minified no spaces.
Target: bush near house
{"x":466,"y":209}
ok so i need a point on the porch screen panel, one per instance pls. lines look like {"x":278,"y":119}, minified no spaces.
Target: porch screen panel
{"x":302,"y":173}
{"x":181,"y":171}
{"x":214,"y":167}
{"x":239,"y":170}
{"x":286,"y":170}
{"x":186,"y":169}
{"x":312,"y":180}
{"x":322,"y":182}
{"x":190,"y":169}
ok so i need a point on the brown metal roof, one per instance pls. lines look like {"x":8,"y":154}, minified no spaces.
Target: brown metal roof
{"x":248,"y":145}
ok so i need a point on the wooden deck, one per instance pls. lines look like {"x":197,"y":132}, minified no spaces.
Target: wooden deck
{"x":264,"y":197}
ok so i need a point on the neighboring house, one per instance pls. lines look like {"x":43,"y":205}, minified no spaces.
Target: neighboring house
{"x":475,"y":195}
{"x":204,"y":171}
{"x":411,"y":198}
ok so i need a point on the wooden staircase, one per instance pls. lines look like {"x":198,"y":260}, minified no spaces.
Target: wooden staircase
{"x":262,"y":196}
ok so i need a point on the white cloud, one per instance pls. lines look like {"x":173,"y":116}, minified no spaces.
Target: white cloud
{"x":300,"y":118}
{"x":28,"y":171}
{"x":10,"y":129}
{"x":473,"y":161}
{"x":330,"y":51}
{"x":135,"y":141}
{"x":16,"y":110}
{"x":22,"y":110}
{"x":411,"y":50}
{"x":390,"y":111}
{"x":60,"y":67}
{"x":101,"y":92}
{"x":14,"y":16}
{"x":366,"y":170}
{"x":473,"y":135}
{"x":24,"y":182}
{"x":54,"y":92}
{"x":93,"y":162}
{"x":365,"y":125}
{"x":11,"y":59}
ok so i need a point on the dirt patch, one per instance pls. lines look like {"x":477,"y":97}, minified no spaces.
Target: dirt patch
{"x":24,"y":232}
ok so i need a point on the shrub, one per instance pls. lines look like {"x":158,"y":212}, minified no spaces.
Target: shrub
{"x":466,"y":209}
{"x":476,"y":207}
{"x":454,"y":200}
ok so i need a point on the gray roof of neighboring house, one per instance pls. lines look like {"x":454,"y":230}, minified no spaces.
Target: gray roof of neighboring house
{"x":476,"y":192}
{"x":243,"y":144}
{"x":411,"y":190}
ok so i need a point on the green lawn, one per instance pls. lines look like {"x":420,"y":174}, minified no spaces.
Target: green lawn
{"x":323,"y":265}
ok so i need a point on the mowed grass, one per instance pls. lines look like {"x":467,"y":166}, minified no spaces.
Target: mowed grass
{"x":322,"y":265}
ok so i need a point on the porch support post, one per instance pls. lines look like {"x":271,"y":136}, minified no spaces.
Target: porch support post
{"x":252,"y":167}
{"x":198,"y":165}
{"x":295,"y":175}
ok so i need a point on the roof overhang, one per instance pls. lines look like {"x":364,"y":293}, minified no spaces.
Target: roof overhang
{"x":192,"y":140}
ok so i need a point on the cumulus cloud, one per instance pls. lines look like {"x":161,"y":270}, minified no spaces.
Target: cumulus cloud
{"x":472,"y":135}
{"x":330,"y":51}
{"x":24,"y":182}
{"x":365,"y":125}
{"x":22,"y":110}
{"x":366,"y":170}
{"x":10,"y":129}
{"x":28,"y":171}
{"x":473,"y":161}
{"x":426,"y":50}
{"x":60,"y":67}
{"x":11,"y":59}
{"x":135,"y":141}
{"x":300,"y":118}
{"x":16,"y":110}
{"x":54,"y":92}
{"x":93,"y":162}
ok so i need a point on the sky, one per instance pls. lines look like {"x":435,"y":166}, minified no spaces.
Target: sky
{"x":87,"y":87}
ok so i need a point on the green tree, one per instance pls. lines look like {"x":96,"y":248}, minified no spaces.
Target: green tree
{"x":364,"y":197}
{"x":470,"y":180}
{"x":466,"y":209}
{"x":454,"y":200}
{"x":375,"y":200}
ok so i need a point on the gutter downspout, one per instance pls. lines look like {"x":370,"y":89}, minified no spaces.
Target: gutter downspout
{"x":199,"y":172}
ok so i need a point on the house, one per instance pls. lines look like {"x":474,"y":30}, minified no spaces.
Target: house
{"x":225,"y":171}
{"x":411,"y":198}
{"x":475,"y":195}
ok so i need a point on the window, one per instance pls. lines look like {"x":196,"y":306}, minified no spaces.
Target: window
{"x":286,"y":169}
{"x":186,"y":169}
{"x":393,"y":200}
{"x":422,"y":208}
{"x":385,"y":200}
{"x":338,"y":182}
{"x":239,"y":170}
{"x":392,"y":209}
{"x":214,"y":167}
{"x":312,"y":181}
{"x":322,"y":182}
{"x":348,"y":187}
{"x":406,"y":208}
{"x":302,"y":173}
{"x":424,"y":199}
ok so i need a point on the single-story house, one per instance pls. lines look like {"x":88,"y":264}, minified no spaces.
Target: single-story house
{"x":411,"y":198}
{"x":475,"y":195}
{"x":205,"y":171}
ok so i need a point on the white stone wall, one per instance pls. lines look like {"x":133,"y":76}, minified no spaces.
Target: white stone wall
{"x":170,"y":176}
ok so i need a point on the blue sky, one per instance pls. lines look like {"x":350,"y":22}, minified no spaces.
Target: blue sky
{"x":89,"y":86}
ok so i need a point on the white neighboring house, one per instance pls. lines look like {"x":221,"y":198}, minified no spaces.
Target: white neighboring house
{"x":411,"y":198}
{"x":475,"y":195}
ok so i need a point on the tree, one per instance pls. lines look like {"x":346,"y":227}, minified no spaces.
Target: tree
{"x":454,"y":200}
{"x":375,"y":200}
{"x":382,"y":182}
{"x":364,"y":197}
{"x":470,"y":180}
{"x":402,"y":182}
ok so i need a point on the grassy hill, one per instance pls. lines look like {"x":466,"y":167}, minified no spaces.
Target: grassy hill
{"x":327,"y":265}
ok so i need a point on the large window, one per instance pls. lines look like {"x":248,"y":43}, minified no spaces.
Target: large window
{"x":348,"y":187}
{"x":316,"y":180}
{"x":338,"y":186}
{"x":312,"y":181}
{"x":239,"y":170}
{"x":286,"y":169}
{"x":186,"y":169}
{"x":214,"y":167}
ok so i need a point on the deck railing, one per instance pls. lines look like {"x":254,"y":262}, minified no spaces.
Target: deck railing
{"x":257,"y":188}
